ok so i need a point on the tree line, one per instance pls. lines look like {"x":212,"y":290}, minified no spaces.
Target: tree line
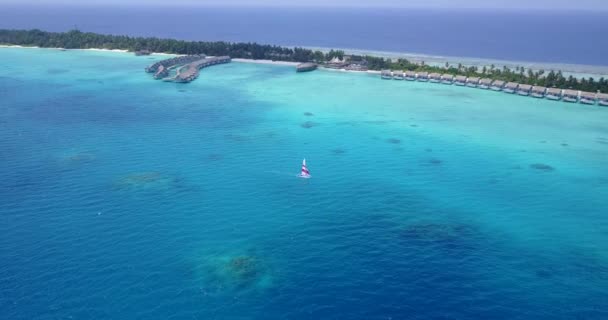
{"x":85,"y":40}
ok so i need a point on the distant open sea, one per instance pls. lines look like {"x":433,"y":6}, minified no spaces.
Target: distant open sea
{"x":530,"y":36}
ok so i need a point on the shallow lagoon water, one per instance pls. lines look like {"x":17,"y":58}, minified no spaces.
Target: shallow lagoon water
{"x":123,"y":197}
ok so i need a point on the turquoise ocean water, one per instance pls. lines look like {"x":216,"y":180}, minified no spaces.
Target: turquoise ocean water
{"x":122,"y":197}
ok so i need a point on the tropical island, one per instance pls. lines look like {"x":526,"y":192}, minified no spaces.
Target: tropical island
{"x":332,"y":59}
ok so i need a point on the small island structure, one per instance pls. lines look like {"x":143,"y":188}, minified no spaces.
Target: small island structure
{"x":553,"y":94}
{"x":511,"y":87}
{"x":524,"y":89}
{"x":587,"y":97}
{"x":485,"y":83}
{"x":306,"y":67}
{"x":472,"y":82}
{"x":447,"y":78}
{"x":435,"y":77}
{"x":460,"y":81}
{"x":570,"y":95}
{"x":498,"y":85}
{"x":538,"y":92}
{"x":410,"y":75}
{"x":602,"y":99}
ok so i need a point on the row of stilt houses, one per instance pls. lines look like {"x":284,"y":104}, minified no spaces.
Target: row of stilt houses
{"x":499,"y":85}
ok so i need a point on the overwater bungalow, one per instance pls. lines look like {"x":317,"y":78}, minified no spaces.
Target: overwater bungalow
{"x":447,"y":78}
{"x":423,"y":76}
{"x":524,"y":89}
{"x":410,"y":75}
{"x":398,"y":75}
{"x":538,"y":92}
{"x":570,"y":96}
{"x":511,"y":87}
{"x":460,"y":80}
{"x":386,"y":74}
{"x":306,"y":66}
{"x":553,"y":94}
{"x":473,"y":82}
{"x":435,"y":77}
{"x":497,"y":85}
{"x":602,"y":99}
{"x":587,"y":97}
{"x":485,"y":83}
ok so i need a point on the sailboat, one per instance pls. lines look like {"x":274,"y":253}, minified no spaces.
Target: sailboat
{"x":305,"y":173}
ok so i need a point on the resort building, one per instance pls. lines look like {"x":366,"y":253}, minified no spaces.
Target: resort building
{"x":587,"y":97}
{"x":485,"y":83}
{"x":397,"y":75}
{"x":538,"y":92}
{"x":511,"y":87}
{"x":447,"y":78}
{"x":524,"y":89}
{"x":410,"y":75}
{"x":423,"y":76}
{"x":553,"y":94}
{"x":386,"y":74}
{"x":472,"y":82}
{"x":435,"y":77}
{"x":497,"y":85}
{"x":460,"y":80}
{"x":602,"y":99}
{"x":570,"y":96}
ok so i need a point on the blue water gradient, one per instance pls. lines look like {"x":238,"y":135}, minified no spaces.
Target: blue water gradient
{"x":122,"y":197}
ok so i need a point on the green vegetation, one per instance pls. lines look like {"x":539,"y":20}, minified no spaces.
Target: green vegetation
{"x":84,"y":40}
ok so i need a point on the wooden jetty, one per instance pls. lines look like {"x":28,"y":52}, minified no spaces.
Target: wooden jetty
{"x":191,"y":71}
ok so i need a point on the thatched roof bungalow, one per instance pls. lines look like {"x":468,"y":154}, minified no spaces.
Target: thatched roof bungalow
{"x":588,"y":97}
{"x":472,"y":82}
{"x":602,"y":99}
{"x":460,"y":80}
{"x":447,"y":78}
{"x":570,"y":96}
{"x":398,"y":74}
{"x":410,"y":75}
{"x":511,"y":87}
{"x":423,"y":76}
{"x":538,"y":92}
{"x":485,"y":83}
{"x":435,"y":77}
{"x":497,"y":85}
{"x":553,"y":94}
{"x":524,"y":89}
{"x":386,"y":74}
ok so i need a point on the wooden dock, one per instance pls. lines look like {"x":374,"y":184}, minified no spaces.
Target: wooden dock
{"x":188,"y":67}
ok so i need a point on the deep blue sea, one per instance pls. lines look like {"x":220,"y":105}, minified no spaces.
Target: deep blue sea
{"x":122,"y":197}
{"x":530,"y":36}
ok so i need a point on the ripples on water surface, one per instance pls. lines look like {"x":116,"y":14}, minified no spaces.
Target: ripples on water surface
{"x":124,"y":197}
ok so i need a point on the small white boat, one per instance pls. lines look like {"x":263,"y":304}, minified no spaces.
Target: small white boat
{"x":305,"y":174}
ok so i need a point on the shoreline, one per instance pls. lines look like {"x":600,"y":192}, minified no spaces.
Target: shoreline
{"x":576,"y":70}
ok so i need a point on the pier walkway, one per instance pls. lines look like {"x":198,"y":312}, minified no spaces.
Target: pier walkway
{"x":188,"y":67}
